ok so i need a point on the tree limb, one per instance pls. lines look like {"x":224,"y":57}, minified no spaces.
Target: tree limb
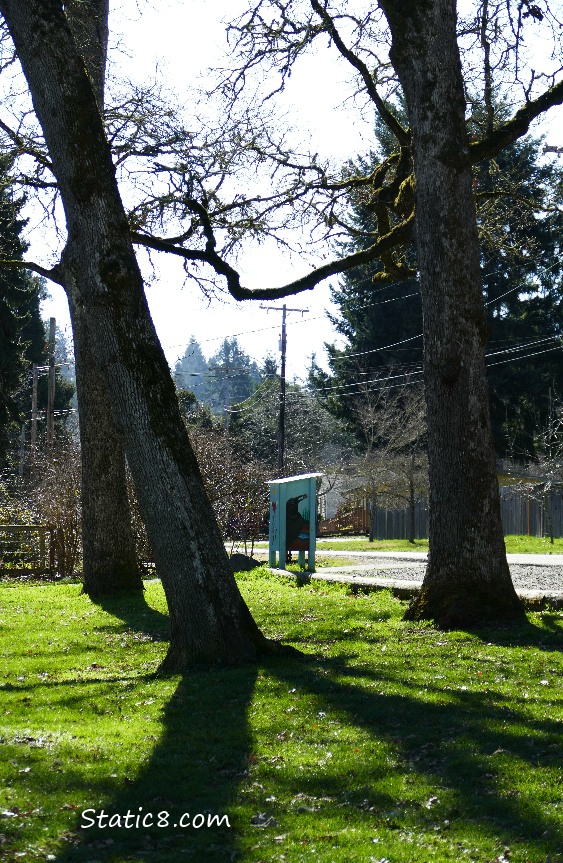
{"x":400,"y":234}
{"x":517,"y":126}
{"x":55,"y":274}
{"x":25,"y":147}
{"x":388,"y":118}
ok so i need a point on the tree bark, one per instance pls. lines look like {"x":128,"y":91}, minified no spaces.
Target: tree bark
{"x":467,"y":581}
{"x":210,"y":622}
{"x":88,"y":20}
{"x":108,"y":543}
{"x":411,"y":531}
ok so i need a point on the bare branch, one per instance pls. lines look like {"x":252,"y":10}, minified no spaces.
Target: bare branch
{"x":25,"y":146}
{"x":386,"y":115}
{"x":54,"y":274}
{"x":517,"y":126}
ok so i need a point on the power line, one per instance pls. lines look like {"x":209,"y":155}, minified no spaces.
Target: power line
{"x":377,"y":350}
{"x":245,"y":332}
{"x":525,"y":356}
{"x":365,"y":383}
{"x":522,"y":347}
{"x":248,"y":404}
{"x":520,"y":286}
{"x":418,"y":371}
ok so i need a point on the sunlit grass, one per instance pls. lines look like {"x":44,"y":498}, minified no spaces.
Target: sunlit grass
{"x":514,"y":545}
{"x":389,"y":741}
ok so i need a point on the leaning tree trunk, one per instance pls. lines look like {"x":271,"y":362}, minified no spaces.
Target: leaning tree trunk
{"x":108,"y":543}
{"x":467,"y":580}
{"x":209,"y":620}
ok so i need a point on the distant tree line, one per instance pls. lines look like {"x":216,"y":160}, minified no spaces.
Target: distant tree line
{"x":229,"y":376}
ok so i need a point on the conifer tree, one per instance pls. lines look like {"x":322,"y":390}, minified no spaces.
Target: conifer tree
{"x":22,"y":335}
{"x":522,"y":264}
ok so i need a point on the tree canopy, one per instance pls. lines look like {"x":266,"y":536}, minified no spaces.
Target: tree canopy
{"x":520,"y":220}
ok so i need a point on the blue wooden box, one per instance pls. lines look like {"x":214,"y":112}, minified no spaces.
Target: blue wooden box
{"x":293,"y":519}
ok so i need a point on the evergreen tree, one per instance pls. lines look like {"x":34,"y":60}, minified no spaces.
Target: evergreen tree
{"x":269,"y":367}
{"x":191,"y":370}
{"x":22,"y":336}
{"x":228,"y":377}
{"x":522,"y":264}
{"x":232,"y":376}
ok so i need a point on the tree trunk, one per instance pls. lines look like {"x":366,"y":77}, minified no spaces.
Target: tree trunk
{"x":210,"y":622}
{"x":467,"y":580}
{"x":548,"y":518}
{"x":108,"y":543}
{"x":411,"y":532}
{"x":372,"y":516}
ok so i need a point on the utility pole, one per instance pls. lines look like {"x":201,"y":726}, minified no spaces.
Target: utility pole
{"x":281,"y":420}
{"x":51,"y":389}
{"x":22,"y":451}
{"x":283,"y":349}
{"x":34,"y":385}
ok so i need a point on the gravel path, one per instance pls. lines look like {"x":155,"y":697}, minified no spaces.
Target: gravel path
{"x":543,"y":579}
{"x":540,"y":578}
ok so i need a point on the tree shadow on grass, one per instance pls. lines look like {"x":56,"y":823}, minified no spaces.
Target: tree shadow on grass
{"x":194,"y":770}
{"x":468,"y":748}
{"x":132,"y":608}
{"x":191,"y":771}
{"x":548,"y":636}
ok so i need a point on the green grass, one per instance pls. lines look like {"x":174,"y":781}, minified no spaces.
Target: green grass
{"x":533,"y":545}
{"x":514,"y":545}
{"x":376,"y":545}
{"x":387,"y":742}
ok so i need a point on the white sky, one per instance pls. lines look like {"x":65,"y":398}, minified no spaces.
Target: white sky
{"x":182,"y":38}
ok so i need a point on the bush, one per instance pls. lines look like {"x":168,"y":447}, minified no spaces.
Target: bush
{"x":54,"y":497}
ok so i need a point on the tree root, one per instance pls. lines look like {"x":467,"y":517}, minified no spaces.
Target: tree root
{"x":465,"y":606}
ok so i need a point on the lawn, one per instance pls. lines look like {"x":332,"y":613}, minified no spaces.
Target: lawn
{"x":514,"y":545}
{"x":386,"y":742}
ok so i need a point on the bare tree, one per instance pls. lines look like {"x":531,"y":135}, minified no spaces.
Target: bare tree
{"x":424,"y":190}
{"x":236,"y":485}
{"x":54,"y":496}
{"x":393,"y":463}
{"x":551,"y":458}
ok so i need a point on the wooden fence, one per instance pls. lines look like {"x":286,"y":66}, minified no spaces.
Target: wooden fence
{"x":521,"y":515}
{"x":527,"y":516}
{"x":26,"y":549}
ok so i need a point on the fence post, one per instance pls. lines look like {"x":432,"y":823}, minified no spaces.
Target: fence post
{"x":42,"y":548}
